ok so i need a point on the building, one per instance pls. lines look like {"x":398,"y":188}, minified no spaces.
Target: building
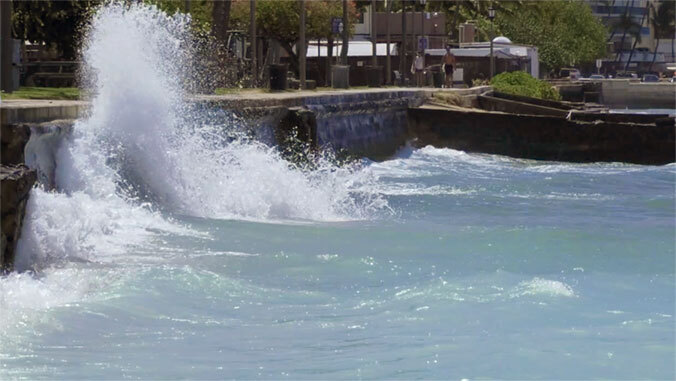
{"x":619,"y":51}
{"x":473,"y":59}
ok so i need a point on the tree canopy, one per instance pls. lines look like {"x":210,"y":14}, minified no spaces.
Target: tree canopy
{"x":565,"y":32}
{"x":51,"y":22}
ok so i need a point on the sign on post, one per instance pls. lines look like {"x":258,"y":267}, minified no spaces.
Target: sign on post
{"x":336,"y":25}
{"x":422,"y":44}
{"x":599,"y":63}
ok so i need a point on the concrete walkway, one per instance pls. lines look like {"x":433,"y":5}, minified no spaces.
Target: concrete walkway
{"x":37,"y":111}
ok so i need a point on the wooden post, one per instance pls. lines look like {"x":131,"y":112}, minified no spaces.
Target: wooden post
{"x":301,"y":45}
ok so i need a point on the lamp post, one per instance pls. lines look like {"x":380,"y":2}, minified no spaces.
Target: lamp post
{"x":491,"y":16}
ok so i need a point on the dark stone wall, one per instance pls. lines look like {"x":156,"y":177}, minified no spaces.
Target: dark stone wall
{"x":543,"y":137}
{"x":16,"y":182}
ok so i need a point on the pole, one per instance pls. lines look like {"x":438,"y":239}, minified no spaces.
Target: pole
{"x":6,"y":77}
{"x":301,"y":45}
{"x":388,"y":61}
{"x":187,"y":6}
{"x":402,"y":53}
{"x":422,"y":28}
{"x":346,"y":30}
{"x":374,"y":60}
{"x":492,"y":58}
{"x":252,"y":37}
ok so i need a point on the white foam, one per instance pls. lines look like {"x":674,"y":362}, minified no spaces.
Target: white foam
{"x":183,"y":158}
{"x":540,"y":286}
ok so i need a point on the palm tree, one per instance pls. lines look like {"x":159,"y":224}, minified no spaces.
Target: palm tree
{"x":609,"y":4}
{"x":663,"y":24}
{"x":637,"y":37}
{"x":627,"y":24}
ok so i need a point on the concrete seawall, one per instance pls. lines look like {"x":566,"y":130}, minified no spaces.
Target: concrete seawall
{"x":544,"y":137}
{"x":622,"y":93}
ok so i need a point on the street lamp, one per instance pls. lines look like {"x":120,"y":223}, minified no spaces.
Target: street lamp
{"x":491,"y":16}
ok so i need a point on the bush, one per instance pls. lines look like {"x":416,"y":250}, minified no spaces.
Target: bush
{"x":522,"y":83}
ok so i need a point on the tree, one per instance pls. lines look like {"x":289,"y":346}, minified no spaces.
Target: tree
{"x":637,"y":37}
{"x":627,"y":24}
{"x":279,"y":20}
{"x":220,"y":13}
{"x":55,"y":23}
{"x":662,"y":21}
{"x":565,"y":32}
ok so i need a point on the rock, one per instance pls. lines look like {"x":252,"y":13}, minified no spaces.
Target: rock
{"x":16,"y":182}
{"x":14,"y":138}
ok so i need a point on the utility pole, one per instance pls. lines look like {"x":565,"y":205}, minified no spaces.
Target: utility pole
{"x":346,"y":30}
{"x":301,"y":45}
{"x":187,"y":6}
{"x":388,"y":61}
{"x":6,"y":77}
{"x":252,"y":37}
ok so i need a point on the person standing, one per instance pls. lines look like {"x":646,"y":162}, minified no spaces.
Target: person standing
{"x":448,"y":62}
{"x":418,"y":68}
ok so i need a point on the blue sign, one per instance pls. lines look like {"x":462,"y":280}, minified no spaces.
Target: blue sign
{"x":337,"y":25}
{"x":422,"y":43}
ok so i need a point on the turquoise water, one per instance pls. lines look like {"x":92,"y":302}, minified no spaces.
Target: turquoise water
{"x":174,"y":246}
{"x":483,"y":266}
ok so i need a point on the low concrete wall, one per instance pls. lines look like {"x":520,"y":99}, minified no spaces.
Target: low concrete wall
{"x":621,"y":93}
{"x":543,"y":137}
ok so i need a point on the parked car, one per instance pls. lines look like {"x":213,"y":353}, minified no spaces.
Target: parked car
{"x":650,"y":78}
{"x":626,"y":74}
{"x":571,"y":73}
{"x":596,"y":76}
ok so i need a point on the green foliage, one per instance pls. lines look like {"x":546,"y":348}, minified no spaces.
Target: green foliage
{"x":68,"y":93}
{"x":522,"y":83}
{"x":200,"y":11}
{"x":51,"y":22}
{"x":280,"y":19}
{"x":565,"y":32}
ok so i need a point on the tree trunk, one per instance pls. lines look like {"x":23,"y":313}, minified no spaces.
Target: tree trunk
{"x":329,"y":60}
{"x":346,"y":32}
{"x":220,"y":17}
{"x":293,"y":57}
{"x":612,"y":33}
{"x":633,"y":47}
{"x":657,"y":45}
{"x":6,"y":47}
{"x":624,"y":34}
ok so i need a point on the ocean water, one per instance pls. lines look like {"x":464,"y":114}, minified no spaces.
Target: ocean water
{"x":175,"y":247}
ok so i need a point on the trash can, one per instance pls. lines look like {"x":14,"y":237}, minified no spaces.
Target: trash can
{"x":374,"y":76}
{"x":438,"y":78}
{"x":278,"y":77}
{"x":340,"y":76}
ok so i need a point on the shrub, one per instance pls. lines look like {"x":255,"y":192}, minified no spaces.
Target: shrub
{"x":522,"y":83}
